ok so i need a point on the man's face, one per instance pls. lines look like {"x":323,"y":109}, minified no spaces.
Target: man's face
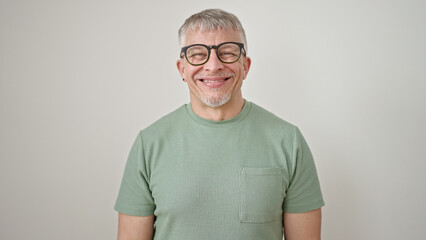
{"x":214,"y":83}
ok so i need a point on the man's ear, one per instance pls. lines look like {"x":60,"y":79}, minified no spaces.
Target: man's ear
{"x":181,"y":68}
{"x":246,"y":66}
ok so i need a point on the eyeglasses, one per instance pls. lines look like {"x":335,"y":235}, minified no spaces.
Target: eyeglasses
{"x":199,"y":54}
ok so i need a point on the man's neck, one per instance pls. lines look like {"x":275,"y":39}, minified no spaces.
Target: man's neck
{"x":226,"y":111}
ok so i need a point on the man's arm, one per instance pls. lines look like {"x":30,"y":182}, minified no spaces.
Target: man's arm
{"x":302,"y":226}
{"x":134,"y":227}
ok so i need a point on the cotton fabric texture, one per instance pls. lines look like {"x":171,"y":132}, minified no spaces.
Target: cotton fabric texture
{"x":231,"y":179}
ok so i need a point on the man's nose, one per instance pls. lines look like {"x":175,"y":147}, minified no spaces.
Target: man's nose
{"x":214,"y":63}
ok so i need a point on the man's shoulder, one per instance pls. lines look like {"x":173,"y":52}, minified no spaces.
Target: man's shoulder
{"x":269,"y":119}
{"x":167,"y":122}
{"x":272,"y":127}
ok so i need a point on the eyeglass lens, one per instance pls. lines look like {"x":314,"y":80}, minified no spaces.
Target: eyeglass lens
{"x":228,"y":53}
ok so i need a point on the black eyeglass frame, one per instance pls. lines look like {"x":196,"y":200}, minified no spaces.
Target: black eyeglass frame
{"x":216,"y":47}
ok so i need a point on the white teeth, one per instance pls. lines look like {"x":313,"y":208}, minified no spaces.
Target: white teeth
{"x":207,"y":81}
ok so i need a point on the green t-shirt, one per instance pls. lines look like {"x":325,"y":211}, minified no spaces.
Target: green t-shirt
{"x":230,"y":179}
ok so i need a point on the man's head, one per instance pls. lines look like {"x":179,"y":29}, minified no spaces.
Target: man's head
{"x":210,"y":20}
{"x":216,"y":64}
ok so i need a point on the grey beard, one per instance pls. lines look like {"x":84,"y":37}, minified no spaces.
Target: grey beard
{"x":216,"y":102}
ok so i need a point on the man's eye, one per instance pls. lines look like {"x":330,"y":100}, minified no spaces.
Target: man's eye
{"x":197,"y":55}
{"x":228,"y":54}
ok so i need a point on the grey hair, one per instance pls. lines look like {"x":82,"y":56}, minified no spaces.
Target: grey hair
{"x":210,"y":20}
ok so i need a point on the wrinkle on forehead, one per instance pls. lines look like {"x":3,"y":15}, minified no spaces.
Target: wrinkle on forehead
{"x":212,"y":37}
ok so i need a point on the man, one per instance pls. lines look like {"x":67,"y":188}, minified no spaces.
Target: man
{"x":220,"y":167}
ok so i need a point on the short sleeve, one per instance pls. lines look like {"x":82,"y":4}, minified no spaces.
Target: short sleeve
{"x":134,"y":197}
{"x":303,"y":193}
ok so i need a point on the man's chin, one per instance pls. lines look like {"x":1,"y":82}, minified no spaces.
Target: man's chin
{"x":216,"y":101}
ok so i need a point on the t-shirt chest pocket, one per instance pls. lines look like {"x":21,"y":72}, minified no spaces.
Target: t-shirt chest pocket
{"x":261,"y":194}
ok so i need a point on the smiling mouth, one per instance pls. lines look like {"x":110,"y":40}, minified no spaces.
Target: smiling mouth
{"x":213,"y":81}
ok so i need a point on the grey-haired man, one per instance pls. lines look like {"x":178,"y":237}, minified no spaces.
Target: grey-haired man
{"x":220,"y":167}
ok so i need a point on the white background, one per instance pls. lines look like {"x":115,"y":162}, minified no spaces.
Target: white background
{"x":79,"y":79}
